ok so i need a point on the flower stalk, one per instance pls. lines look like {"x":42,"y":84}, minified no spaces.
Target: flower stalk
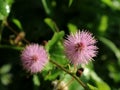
{"x":71,"y":74}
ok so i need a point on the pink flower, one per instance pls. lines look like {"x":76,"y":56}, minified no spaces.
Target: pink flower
{"x":34,"y":58}
{"x":80,"y":47}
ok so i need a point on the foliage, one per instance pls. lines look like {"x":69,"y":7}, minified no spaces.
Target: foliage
{"x":47,"y":22}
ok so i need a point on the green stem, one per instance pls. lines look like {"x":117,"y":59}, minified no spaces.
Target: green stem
{"x":11,"y":47}
{"x":1,"y":29}
{"x":74,"y":76}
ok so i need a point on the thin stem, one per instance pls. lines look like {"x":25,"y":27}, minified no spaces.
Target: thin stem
{"x":74,"y":76}
{"x":11,"y":47}
{"x":7,"y":25}
{"x":1,"y":29}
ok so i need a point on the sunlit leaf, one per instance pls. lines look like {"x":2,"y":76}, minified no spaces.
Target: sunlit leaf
{"x":9,"y":2}
{"x":51,"y":24}
{"x":115,"y":76}
{"x":53,"y":74}
{"x":75,"y":86}
{"x":101,"y":85}
{"x":70,"y":2}
{"x":114,"y":73}
{"x":103,"y":24}
{"x":56,"y":49}
{"x":45,"y":5}
{"x":48,"y":66}
{"x":99,"y":82}
{"x":5,"y":69}
{"x":114,"y":4}
{"x":92,"y":87}
{"x":57,"y":54}
{"x":36,"y":80}
{"x":4,"y":9}
{"x":72,"y":28}
{"x":6,"y":79}
{"x":108,"y":2}
{"x":112,"y":47}
{"x":17,"y":22}
{"x":56,"y":37}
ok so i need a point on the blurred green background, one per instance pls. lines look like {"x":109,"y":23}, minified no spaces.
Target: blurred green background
{"x":51,"y":20}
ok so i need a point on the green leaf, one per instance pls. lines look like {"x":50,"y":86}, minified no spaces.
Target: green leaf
{"x":36,"y":80}
{"x":112,"y":47}
{"x":48,"y":67}
{"x":108,"y":2}
{"x":99,"y":82}
{"x":4,"y":9}
{"x":53,"y":74}
{"x":5,"y":69}
{"x":75,"y":86}
{"x":103,"y":24}
{"x":2,"y":17}
{"x":6,"y":79}
{"x":9,"y":2}
{"x":72,"y":28}
{"x":114,"y":72}
{"x":70,"y":2}
{"x":5,"y":75}
{"x":56,"y":37}
{"x":51,"y":24}
{"x":45,"y":5}
{"x":57,"y":54}
{"x":102,"y":85}
{"x":56,"y":49}
{"x":114,"y":4}
{"x":91,"y":87}
{"x":17,"y":22}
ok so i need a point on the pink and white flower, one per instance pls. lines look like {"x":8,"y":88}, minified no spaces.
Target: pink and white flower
{"x":80,"y":47}
{"x":34,"y":58}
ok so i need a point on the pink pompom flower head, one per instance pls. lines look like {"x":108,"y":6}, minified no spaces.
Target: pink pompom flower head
{"x":80,"y":47}
{"x":34,"y":58}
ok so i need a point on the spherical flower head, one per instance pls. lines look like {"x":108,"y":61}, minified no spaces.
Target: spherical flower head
{"x":80,"y":47}
{"x":34,"y":58}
